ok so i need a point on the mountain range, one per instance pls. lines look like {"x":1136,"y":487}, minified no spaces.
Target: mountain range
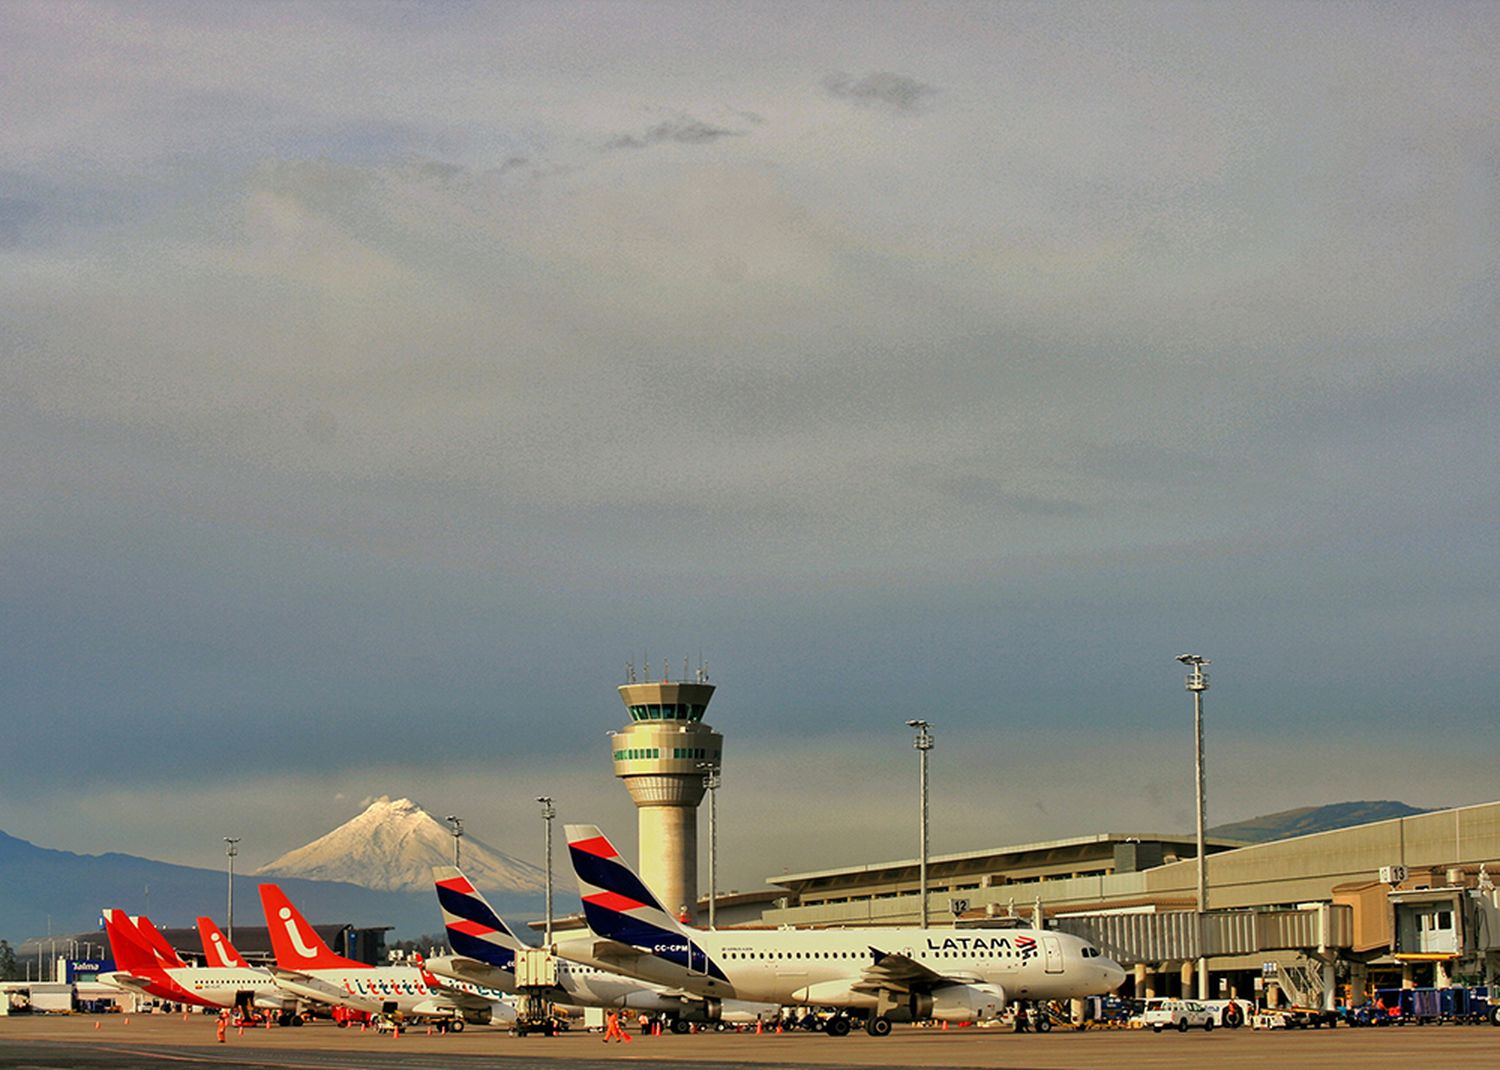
{"x":1309,"y":819}
{"x":375,"y":869}
{"x":388,"y":850}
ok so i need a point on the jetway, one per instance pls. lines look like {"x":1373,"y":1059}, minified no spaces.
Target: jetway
{"x":1177,"y":936}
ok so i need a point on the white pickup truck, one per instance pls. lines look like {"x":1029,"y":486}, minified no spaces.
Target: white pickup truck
{"x":1178,"y":1014}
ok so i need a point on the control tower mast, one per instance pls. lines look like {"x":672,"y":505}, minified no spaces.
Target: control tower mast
{"x":657,"y":755}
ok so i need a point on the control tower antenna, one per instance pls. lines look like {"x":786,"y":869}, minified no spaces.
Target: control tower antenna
{"x":658,"y":756}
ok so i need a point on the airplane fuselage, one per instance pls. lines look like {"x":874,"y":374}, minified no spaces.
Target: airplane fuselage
{"x":829,"y":967}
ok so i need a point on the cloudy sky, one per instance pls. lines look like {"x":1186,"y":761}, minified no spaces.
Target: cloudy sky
{"x":376,"y":381}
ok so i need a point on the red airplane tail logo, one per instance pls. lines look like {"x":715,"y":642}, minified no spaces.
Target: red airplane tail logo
{"x":296,"y":945}
{"x":217,"y":950}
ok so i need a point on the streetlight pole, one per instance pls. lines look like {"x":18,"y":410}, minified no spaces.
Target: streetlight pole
{"x":711,"y":782}
{"x":548,"y":813}
{"x":923,"y":743}
{"x":1197,"y":683}
{"x":458,"y":832}
{"x":231,"y":848}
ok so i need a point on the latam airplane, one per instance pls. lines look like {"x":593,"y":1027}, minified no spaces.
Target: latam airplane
{"x":884,"y":975}
{"x":486,"y":951}
{"x":148,"y":964}
{"x":307,"y":967}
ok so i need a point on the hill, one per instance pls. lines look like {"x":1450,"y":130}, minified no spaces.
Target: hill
{"x":1310,"y":819}
{"x":70,"y":889}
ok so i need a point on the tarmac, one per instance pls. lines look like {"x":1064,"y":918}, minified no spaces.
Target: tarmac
{"x":106,"y":1042}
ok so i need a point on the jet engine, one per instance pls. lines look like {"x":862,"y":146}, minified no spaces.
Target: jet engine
{"x":959,"y":1003}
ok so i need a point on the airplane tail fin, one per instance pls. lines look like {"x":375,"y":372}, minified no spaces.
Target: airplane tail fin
{"x":297,"y":945}
{"x":130,"y":951}
{"x":616,"y":903}
{"x":157,"y":942}
{"x":217,"y":950}
{"x":473,"y":927}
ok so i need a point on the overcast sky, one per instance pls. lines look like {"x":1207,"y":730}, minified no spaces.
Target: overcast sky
{"x":376,"y":381}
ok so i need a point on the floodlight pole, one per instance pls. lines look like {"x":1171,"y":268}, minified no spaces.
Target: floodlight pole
{"x":231,"y":848}
{"x":548,"y":813}
{"x":458,"y":832}
{"x":711,"y":783}
{"x":1197,"y":683}
{"x":923,"y":743}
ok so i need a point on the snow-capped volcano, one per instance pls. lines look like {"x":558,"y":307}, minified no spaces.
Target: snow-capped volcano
{"x":393,"y":846}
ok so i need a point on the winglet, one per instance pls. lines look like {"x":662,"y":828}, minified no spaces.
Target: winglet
{"x":473,"y":927}
{"x":297,"y":945}
{"x":217,"y":950}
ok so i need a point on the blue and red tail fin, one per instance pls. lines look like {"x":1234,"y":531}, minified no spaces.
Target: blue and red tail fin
{"x":297,"y":945}
{"x":217,"y":950}
{"x":474,"y":929}
{"x":618,"y":906}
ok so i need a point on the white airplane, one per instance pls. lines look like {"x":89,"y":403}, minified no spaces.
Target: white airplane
{"x":307,"y":967}
{"x":146,"y":963}
{"x":884,"y":975}
{"x":485,"y":953}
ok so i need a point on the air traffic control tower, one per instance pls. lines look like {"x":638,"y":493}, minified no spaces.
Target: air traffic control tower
{"x":657,"y":755}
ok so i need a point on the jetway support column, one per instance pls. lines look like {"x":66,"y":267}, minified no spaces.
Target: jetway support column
{"x":1359,"y":980}
{"x":1144,"y":989}
{"x":1330,"y":982}
{"x":1187,"y":979}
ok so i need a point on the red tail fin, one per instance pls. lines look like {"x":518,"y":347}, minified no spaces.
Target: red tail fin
{"x":157,"y":942}
{"x":217,"y":950}
{"x":131,"y":952}
{"x":296,"y":945}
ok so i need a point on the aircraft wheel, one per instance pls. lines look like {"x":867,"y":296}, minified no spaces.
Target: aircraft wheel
{"x":457,"y":1025}
{"x":838,"y":1026}
{"x":679,"y":1026}
{"x":878,"y":1027}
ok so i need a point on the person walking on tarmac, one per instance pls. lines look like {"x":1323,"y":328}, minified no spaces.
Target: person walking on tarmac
{"x":613,"y":1030}
{"x":223,"y":1025}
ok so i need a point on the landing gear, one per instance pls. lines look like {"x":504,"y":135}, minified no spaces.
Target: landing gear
{"x":680,"y":1026}
{"x":838,"y":1026}
{"x":456,"y":1026}
{"x":878,"y":1027}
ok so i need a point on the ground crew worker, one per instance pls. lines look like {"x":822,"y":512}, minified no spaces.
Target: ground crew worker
{"x":613,"y":1030}
{"x":223,"y":1024}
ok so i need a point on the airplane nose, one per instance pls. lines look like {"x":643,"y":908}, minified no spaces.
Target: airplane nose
{"x":1114,"y":974}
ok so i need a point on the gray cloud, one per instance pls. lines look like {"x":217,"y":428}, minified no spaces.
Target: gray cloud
{"x":881,"y":89}
{"x":349,"y":390}
{"x":680,"y":130}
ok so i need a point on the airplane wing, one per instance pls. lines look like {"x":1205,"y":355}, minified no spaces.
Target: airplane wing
{"x":897,"y":972}
{"x":127,"y":982}
{"x":466,"y":969}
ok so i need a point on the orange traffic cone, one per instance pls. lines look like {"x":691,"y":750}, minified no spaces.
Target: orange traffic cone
{"x":945,"y":1025}
{"x":363,"y":1026}
{"x":429,"y":1030}
{"x":96,"y":1025}
{"x":758,"y":1026}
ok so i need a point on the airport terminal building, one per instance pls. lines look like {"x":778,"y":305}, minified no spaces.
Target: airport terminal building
{"x":1314,"y":919}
